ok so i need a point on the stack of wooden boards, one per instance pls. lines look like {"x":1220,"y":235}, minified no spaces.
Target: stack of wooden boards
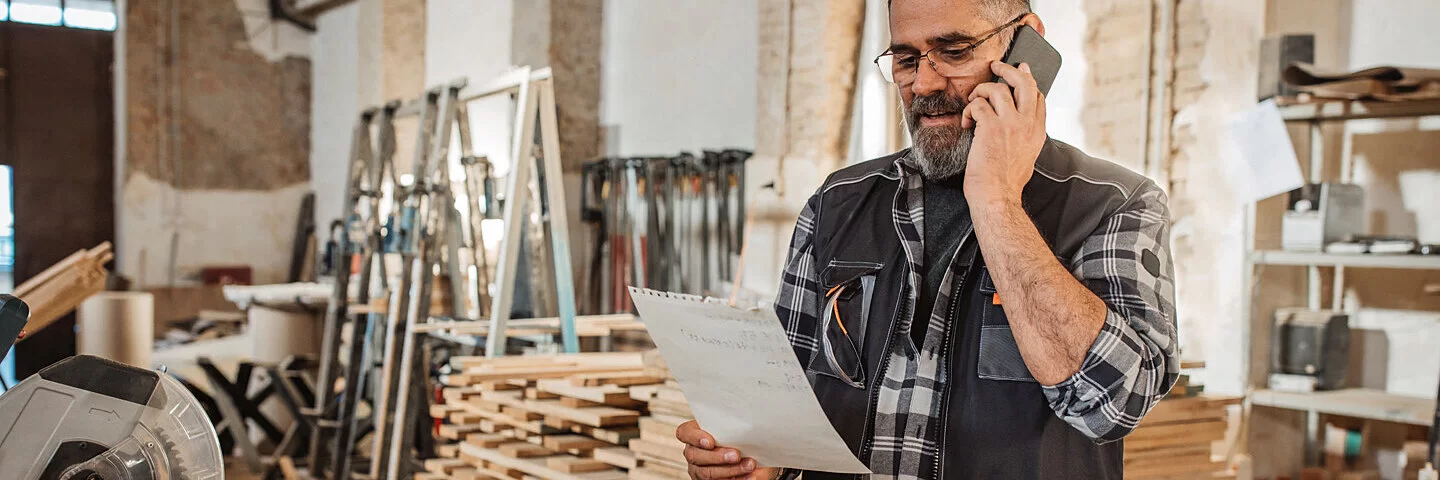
{"x":60,"y":288}
{"x":1177,"y":438}
{"x":659,"y":454}
{"x":581,"y":416}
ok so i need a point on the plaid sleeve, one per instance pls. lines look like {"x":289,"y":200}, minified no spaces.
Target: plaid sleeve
{"x":798,"y":302}
{"x":1135,"y":359}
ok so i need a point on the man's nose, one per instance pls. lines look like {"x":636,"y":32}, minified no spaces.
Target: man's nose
{"x":927,"y":80}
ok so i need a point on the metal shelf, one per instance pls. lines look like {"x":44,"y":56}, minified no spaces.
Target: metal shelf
{"x":1353,"y":402}
{"x":1340,"y":110}
{"x":1362,"y":260}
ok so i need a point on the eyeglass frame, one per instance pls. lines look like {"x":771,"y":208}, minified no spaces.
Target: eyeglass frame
{"x":926,"y":54}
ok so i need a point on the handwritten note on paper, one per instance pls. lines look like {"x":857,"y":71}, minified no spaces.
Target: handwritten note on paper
{"x":743,"y":381}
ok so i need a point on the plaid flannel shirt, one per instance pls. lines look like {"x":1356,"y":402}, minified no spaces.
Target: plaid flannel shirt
{"x":1130,"y":366}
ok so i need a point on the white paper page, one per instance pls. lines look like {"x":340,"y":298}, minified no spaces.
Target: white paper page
{"x":743,"y":381}
{"x":1263,"y":145}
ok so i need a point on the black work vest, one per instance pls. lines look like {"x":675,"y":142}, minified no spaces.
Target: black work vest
{"x":997,"y":421}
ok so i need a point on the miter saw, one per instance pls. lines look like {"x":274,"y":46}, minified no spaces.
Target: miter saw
{"x":87,"y":418}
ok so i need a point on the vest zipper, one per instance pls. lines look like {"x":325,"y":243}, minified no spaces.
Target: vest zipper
{"x":901,"y":311}
{"x":947,"y":348}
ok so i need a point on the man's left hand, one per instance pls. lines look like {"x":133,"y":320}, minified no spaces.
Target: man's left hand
{"x":1009,"y":133}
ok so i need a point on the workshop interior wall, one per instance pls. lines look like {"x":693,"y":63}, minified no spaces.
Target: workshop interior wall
{"x":679,"y":77}
{"x":216,"y":136}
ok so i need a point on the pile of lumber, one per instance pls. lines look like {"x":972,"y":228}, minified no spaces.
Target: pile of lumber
{"x":585,"y":326}
{"x":658,"y":454}
{"x":1177,"y":439}
{"x":60,"y":288}
{"x":553,"y":416}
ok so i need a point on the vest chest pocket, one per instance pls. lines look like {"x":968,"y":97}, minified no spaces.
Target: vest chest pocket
{"x":999,"y":354}
{"x":849,"y":288}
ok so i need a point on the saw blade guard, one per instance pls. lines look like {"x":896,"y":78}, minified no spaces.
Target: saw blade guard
{"x":172,"y":440}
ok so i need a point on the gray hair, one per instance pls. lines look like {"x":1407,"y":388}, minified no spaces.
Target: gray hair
{"x":998,"y":11}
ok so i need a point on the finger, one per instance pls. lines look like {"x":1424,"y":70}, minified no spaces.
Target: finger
{"x":719,"y":456}
{"x":691,"y":434}
{"x":1026,"y":90}
{"x":997,"y":95}
{"x":980,"y":112}
{"x":740,"y":470}
{"x":966,"y":118}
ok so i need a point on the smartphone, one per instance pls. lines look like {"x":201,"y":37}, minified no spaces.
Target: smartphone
{"x":1031,"y":48}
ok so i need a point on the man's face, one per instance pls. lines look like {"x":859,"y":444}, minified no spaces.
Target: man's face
{"x":933,"y":103}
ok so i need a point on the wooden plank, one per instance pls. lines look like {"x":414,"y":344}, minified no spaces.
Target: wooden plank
{"x":287,"y":469}
{"x":644,"y":393}
{"x":467,"y":473}
{"x":487,"y":440}
{"x":561,"y":371}
{"x":448,"y":451}
{"x":572,"y":442}
{"x":612,"y":395}
{"x":457,"y":432}
{"x":574,"y":359}
{"x":617,"y":456}
{"x":595,"y":417}
{"x":520,"y":413}
{"x":443,"y":466}
{"x":663,"y":467}
{"x":661,"y":450}
{"x":576,"y":464}
{"x":464,"y":418}
{"x":578,"y":403}
{"x":644,"y":473}
{"x":1353,"y":402}
{"x":655,"y":462}
{"x":537,"y":467}
{"x":495,"y":420}
{"x":1184,"y":409}
{"x":671,"y":394}
{"x":524,"y":450}
{"x":1132,"y":454}
{"x":442,"y":410}
{"x":538,"y":394}
{"x":658,"y":427}
{"x":618,"y":436}
{"x":618,"y":379}
{"x":1178,"y":434}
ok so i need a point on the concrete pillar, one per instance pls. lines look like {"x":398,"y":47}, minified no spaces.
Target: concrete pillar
{"x":808,"y":56}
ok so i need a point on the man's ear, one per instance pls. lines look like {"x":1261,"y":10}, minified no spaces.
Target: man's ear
{"x":1034,"y":22}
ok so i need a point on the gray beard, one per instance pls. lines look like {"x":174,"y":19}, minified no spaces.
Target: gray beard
{"x":941,"y":152}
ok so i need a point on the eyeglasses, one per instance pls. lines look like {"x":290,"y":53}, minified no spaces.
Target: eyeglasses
{"x":903,"y":68}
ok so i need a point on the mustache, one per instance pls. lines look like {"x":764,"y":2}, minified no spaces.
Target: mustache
{"x":934,"y":104}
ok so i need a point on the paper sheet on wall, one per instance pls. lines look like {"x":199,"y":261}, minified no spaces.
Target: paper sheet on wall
{"x":1262,"y":144}
{"x":743,"y":382}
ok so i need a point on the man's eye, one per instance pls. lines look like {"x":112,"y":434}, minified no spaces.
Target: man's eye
{"x":906,"y":61}
{"x":955,"y":54}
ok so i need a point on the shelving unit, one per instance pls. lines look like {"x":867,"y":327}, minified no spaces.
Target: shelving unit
{"x":1359,"y":403}
{"x":1304,"y":259}
{"x":1352,"y":402}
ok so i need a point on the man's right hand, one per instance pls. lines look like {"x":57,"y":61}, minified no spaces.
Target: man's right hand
{"x":709,"y":462}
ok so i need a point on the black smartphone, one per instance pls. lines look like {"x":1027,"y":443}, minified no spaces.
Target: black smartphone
{"x":13,"y":315}
{"x":1031,"y":48}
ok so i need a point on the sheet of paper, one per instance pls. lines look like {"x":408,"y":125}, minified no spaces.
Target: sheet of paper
{"x":1268,"y":165}
{"x":743,"y":381}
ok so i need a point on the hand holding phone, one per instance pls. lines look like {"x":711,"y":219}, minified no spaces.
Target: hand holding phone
{"x":1009,"y":122}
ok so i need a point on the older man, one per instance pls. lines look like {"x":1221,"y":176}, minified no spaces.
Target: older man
{"x":990,"y":303}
